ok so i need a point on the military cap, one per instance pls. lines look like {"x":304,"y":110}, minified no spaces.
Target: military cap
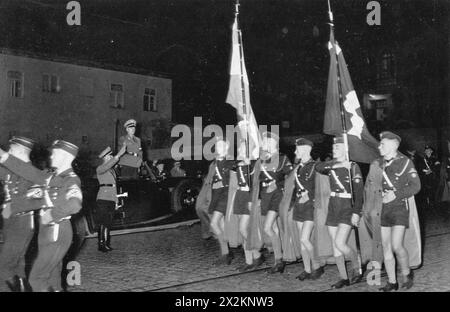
{"x":26,"y":142}
{"x":107,"y":151}
{"x":390,"y":136}
{"x":272,"y":135}
{"x":130,"y":123}
{"x":339,"y":139}
{"x":303,"y":141}
{"x":66,"y":146}
{"x":428,"y":147}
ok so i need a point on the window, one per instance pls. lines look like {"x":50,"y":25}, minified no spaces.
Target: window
{"x":15,"y":79}
{"x":50,"y":83}
{"x":387,"y":66}
{"x":150,"y":100}
{"x":116,"y":95}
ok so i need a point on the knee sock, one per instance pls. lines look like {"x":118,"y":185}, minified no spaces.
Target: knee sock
{"x":248,"y":254}
{"x":223,"y":245}
{"x":390,"y":269}
{"x":276,"y":244}
{"x":340,"y":262}
{"x":256,"y":254}
{"x":403,"y":261}
{"x":306,"y":260}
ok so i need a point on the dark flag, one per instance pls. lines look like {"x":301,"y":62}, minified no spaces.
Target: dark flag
{"x":363,"y":147}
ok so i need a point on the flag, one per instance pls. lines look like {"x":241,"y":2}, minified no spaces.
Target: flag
{"x":363,"y":147}
{"x":239,"y":95}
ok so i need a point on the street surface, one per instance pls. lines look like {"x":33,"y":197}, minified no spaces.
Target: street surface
{"x":179,"y":260}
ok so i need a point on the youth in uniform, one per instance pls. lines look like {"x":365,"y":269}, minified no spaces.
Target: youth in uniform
{"x":274,"y":168}
{"x":343,"y":211}
{"x":219,"y":198}
{"x":245,"y":172}
{"x":400,"y":181}
{"x":303,"y":213}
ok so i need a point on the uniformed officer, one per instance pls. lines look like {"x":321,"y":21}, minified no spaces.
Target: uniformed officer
{"x":244,"y":171}
{"x":132,"y":160}
{"x":107,"y":196}
{"x":274,"y":169}
{"x":303,"y":213}
{"x":219,"y":198}
{"x":429,"y":173}
{"x":177,"y":171}
{"x":63,"y":198}
{"x":400,"y":181}
{"x":18,"y":218}
{"x":344,"y":208}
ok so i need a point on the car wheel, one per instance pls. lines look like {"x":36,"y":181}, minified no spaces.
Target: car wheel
{"x":184,"y":195}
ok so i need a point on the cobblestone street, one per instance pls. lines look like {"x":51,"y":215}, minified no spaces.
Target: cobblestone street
{"x":179,"y":260}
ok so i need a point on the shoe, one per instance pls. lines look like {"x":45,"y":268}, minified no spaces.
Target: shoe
{"x":304,"y":276}
{"x":107,"y":237}
{"x":316,"y":274}
{"x":258,"y":261}
{"x":389,"y":287}
{"x":278,"y":267}
{"x":409,"y":280}
{"x":341,"y":283}
{"x":224,"y":259}
{"x":246,"y":267}
{"x":357,"y":277}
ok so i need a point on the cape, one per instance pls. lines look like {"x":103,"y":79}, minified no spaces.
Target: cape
{"x":371,"y":219}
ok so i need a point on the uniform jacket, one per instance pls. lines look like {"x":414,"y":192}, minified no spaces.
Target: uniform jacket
{"x":133,"y":155}
{"x":222,"y":171}
{"x":244,"y":173}
{"x":276,"y":169}
{"x":403,"y":176}
{"x":20,"y":193}
{"x":340,"y":181}
{"x":107,"y":175}
{"x":372,"y":215}
{"x":64,"y":189}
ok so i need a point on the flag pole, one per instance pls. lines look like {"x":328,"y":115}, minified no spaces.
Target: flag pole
{"x":344,"y":128}
{"x":244,"y":100}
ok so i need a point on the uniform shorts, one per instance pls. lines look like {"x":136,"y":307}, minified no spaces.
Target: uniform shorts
{"x":303,"y":212}
{"x":219,"y":199}
{"x":395,"y":214}
{"x":241,"y":203}
{"x":271,"y":201}
{"x":339,"y":211}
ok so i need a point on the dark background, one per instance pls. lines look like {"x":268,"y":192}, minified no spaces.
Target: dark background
{"x":285,"y":44}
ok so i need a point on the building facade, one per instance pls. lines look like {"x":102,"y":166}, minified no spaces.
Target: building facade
{"x":85,"y":103}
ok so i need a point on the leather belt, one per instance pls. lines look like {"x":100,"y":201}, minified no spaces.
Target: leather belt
{"x":110,"y":185}
{"x":60,"y":220}
{"x":134,"y":154}
{"x":341,"y":195}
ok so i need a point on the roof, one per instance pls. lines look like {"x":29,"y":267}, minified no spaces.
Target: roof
{"x":87,"y":63}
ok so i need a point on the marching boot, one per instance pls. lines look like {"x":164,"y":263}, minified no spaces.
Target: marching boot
{"x":101,"y":239}
{"x":278,"y":267}
{"x":304,"y":276}
{"x":107,"y":239}
{"x":316,"y":274}
{"x":224,"y":259}
{"x":258,"y":261}
{"x":356,"y":278}
{"x":389,"y":287}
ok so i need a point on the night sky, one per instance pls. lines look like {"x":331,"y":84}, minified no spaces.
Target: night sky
{"x":284,"y":41}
